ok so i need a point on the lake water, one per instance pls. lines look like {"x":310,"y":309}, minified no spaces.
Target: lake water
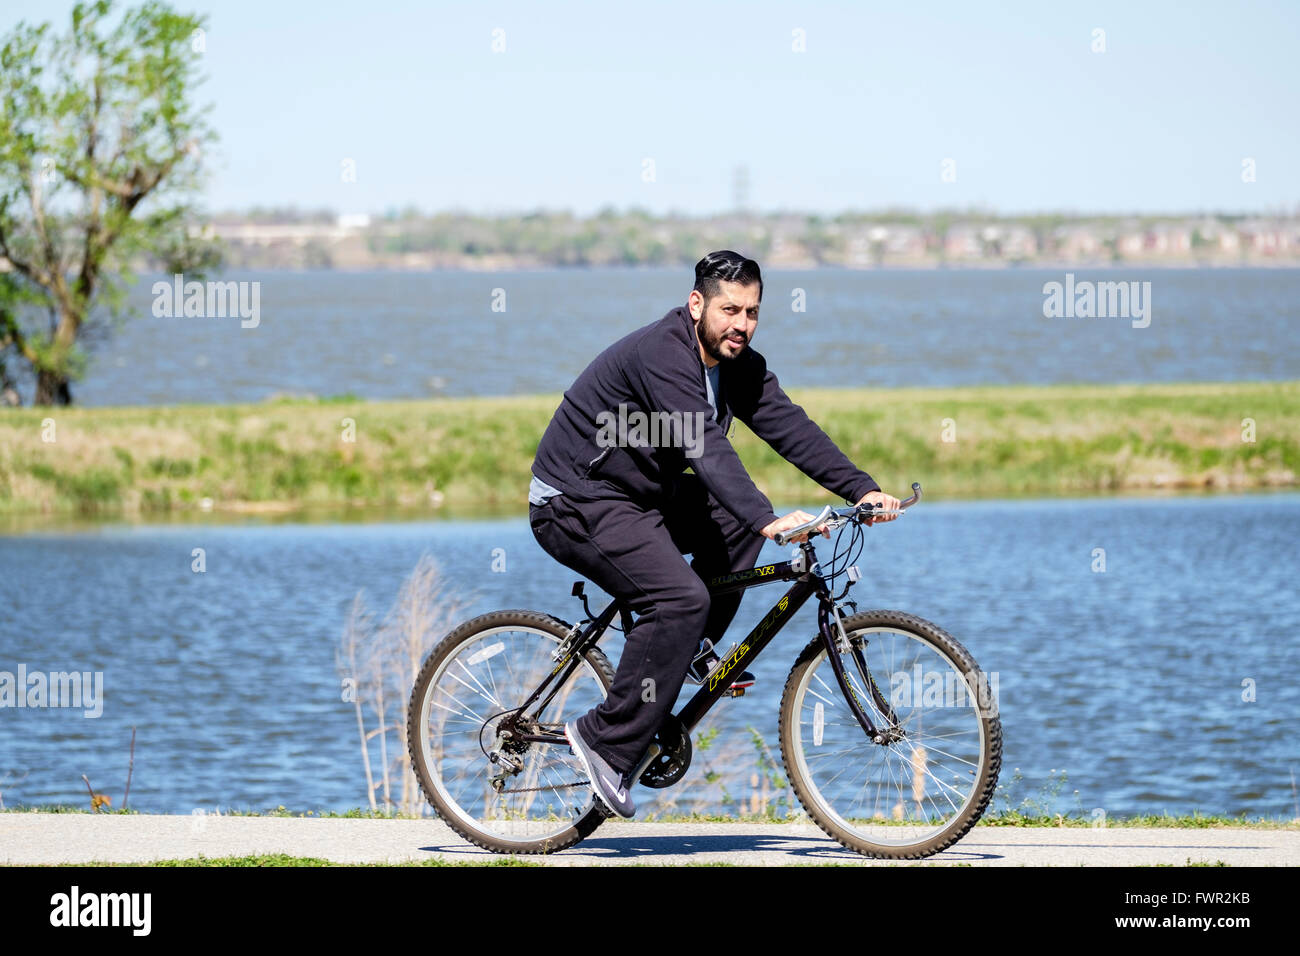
{"x":407,"y":335}
{"x":1130,"y":682}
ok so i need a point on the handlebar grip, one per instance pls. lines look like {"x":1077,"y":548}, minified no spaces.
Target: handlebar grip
{"x":782,"y":537}
{"x":916,"y":496}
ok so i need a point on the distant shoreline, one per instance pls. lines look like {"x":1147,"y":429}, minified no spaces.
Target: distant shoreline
{"x":892,"y":238}
{"x":144,"y":272}
{"x":493,"y":266}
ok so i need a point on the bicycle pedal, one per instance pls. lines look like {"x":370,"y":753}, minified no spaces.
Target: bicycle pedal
{"x":734,"y":692}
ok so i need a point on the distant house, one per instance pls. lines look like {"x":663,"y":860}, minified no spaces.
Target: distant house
{"x":1131,"y":240}
{"x":963,"y":242}
{"x":1019,"y":243}
{"x":788,"y":252}
{"x":1169,"y":238}
{"x":907,"y":242}
{"x":1266,"y":237}
{"x":885,"y":242}
{"x":1078,"y":242}
{"x":265,"y":234}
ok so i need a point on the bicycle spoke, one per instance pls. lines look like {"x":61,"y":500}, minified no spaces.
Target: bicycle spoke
{"x":482,"y":690}
{"x":471,"y":717}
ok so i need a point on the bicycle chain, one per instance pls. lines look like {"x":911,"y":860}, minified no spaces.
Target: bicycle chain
{"x":558,"y":786}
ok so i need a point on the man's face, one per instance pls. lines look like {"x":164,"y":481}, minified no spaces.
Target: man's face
{"x":726,"y":323}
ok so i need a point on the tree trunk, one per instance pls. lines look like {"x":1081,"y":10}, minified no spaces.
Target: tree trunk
{"x":52,"y":389}
{"x":8,"y":392}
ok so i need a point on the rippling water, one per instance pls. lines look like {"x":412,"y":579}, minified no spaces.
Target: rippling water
{"x":404,"y":335}
{"x":1130,"y":681}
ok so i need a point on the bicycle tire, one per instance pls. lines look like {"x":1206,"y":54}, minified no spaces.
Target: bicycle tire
{"x":445,"y":651}
{"x":817,"y":805}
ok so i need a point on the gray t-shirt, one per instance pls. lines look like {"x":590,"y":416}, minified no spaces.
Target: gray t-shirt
{"x":539,"y":491}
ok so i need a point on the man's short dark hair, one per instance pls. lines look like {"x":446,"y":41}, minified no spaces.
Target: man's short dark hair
{"x":725,"y":266}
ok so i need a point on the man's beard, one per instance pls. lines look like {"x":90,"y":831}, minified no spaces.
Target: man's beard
{"x":713,"y":344}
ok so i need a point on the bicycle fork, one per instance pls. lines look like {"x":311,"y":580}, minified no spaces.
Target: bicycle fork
{"x":830,"y":626}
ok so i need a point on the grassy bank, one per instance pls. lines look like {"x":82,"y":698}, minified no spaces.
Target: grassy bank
{"x":423,"y":455}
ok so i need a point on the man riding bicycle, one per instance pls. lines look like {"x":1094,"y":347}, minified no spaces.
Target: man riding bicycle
{"x":610,"y":499}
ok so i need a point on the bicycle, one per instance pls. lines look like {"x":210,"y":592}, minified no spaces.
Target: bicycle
{"x":502,"y":775}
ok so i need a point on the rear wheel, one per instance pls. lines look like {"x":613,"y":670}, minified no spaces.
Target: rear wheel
{"x":535,"y":798}
{"x":927,"y":782}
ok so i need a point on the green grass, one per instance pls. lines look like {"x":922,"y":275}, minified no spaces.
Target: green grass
{"x":476,"y":453}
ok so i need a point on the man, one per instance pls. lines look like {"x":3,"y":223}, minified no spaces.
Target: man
{"x":609,"y":498}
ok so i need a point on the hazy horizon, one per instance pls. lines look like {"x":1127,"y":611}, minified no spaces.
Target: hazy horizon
{"x":1031,"y":115}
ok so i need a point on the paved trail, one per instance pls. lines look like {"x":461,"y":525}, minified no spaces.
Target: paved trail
{"x":28,"y":838}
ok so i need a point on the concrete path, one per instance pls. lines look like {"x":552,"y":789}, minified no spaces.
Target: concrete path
{"x":32,"y":838}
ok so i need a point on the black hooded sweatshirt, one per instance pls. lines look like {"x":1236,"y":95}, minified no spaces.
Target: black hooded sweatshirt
{"x":658,"y":369}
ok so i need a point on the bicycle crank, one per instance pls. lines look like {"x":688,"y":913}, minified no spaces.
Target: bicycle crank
{"x":673,"y":758}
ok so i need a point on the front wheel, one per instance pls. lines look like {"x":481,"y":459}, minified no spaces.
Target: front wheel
{"x":465,"y":730}
{"x":920,"y":787}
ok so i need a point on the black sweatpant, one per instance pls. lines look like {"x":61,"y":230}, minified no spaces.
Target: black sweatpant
{"x":635,"y":553}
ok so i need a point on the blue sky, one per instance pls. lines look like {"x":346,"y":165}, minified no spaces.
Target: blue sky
{"x":584,"y":93}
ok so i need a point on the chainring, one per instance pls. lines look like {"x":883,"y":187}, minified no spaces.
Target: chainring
{"x":674,"y":755}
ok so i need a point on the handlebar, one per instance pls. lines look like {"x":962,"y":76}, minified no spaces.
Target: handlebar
{"x":838,"y":516}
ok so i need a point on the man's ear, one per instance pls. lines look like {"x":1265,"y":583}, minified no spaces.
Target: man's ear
{"x":695,"y":304}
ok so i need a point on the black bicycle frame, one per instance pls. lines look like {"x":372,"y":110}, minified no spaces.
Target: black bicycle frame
{"x":807,"y":583}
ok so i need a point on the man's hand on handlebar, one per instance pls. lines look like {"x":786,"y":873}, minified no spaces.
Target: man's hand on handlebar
{"x":878,"y":505}
{"x":883,"y":502}
{"x":793,"y":520}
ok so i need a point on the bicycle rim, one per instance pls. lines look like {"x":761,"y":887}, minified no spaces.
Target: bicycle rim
{"x":482,"y":678}
{"x":911,"y":793}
